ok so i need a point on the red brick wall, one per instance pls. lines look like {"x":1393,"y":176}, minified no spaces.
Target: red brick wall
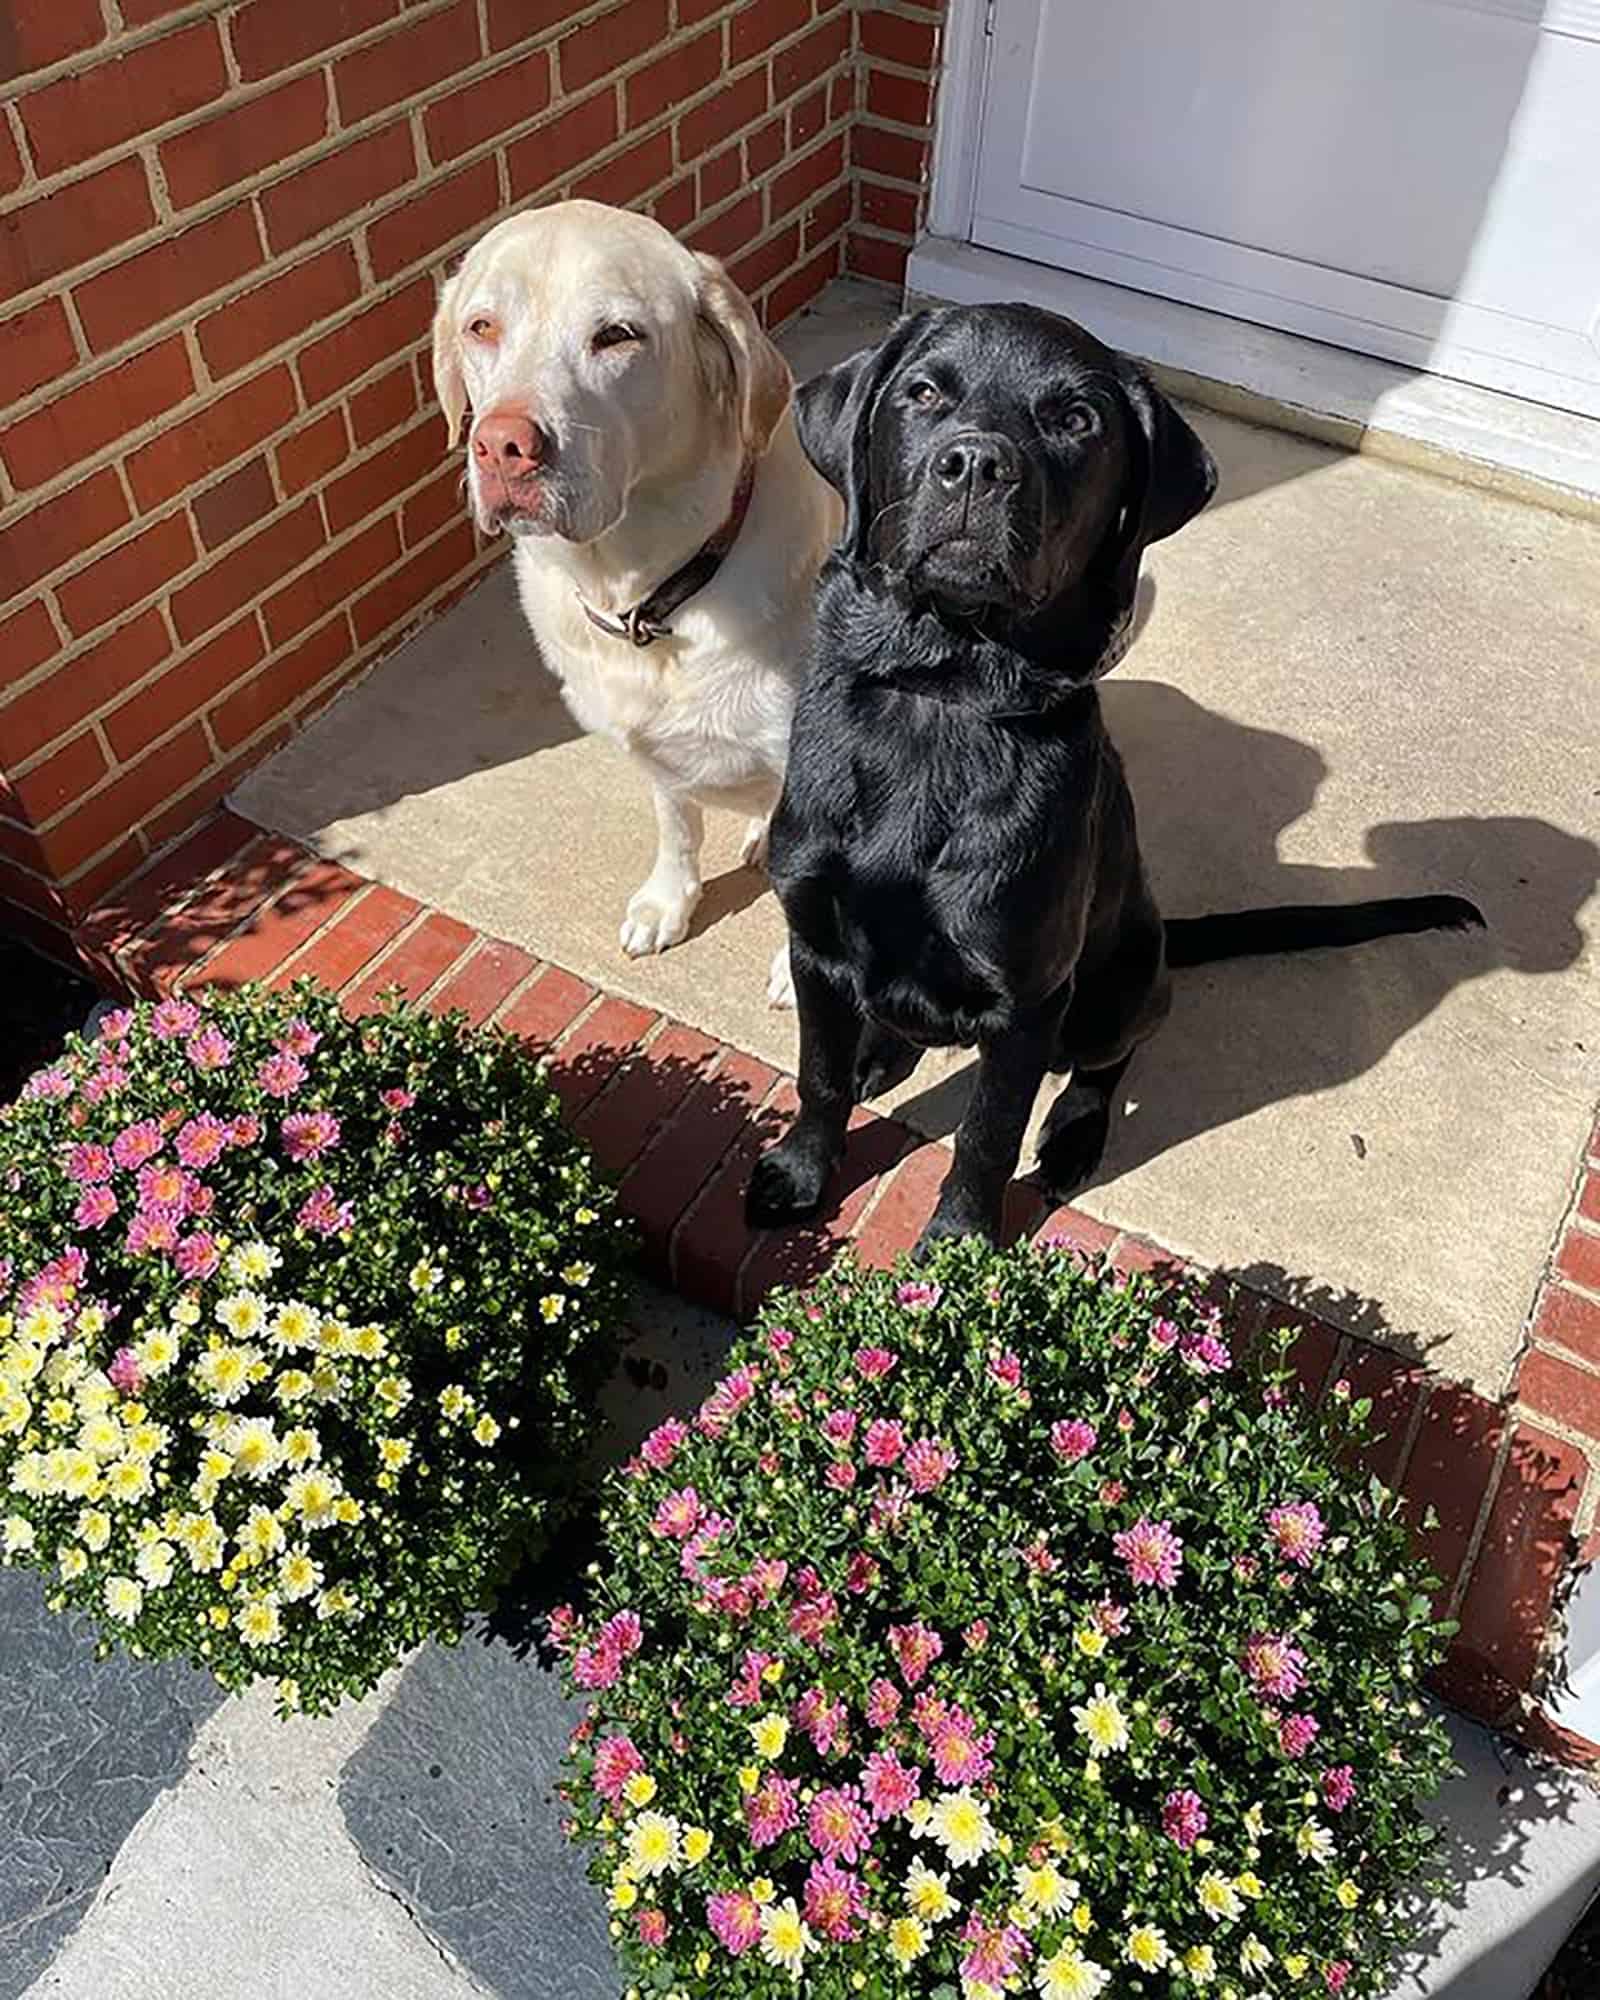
{"x":891,"y":141}
{"x":223,"y":488}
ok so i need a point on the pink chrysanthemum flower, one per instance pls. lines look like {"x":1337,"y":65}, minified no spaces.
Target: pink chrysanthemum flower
{"x":1110,"y":1617}
{"x":299,"y":1038}
{"x":725,"y":1402}
{"x":89,"y":1164}
{"x":815,"y":1610}
{"x":153,"y":1231}
{"x":96,"y":1207}
{"x":826,"y":1722}
{"x":874,"y":1363}
{"x":1338,"y":1787}
{"x":780,"y":1339}
{"x":890,"y":1506}
{"x":615,"y":1762}
{"x":597,"y":1667}
{"x":915,"y":1648}
{"x":208,"y":1048}
{"x":663,"y":1444}
{"x":995,"y":1956}
{"x":862,"y":1575}
{"x":1275,"y":1665}
{"x":1336,"y":1975}
{"x":918,"y":1295}
{"x":961,"y":1755}
{"x":888,"y":1786}
{"x":833,"y":1901}
{"x":1297,"y":1531}
{"x":173,"y":1019}
{"x":1297,"y":1733}
{"x":1153,"y":1553}
{"x":679,"y":1514}
{"x":771,"y":1809}
{"x":308,"y":1134}
{"x":735,"y":1921}
{"x":135,"y":1144}
{"x":1072,"y":1439}
{"x":1165,"y":1333}
{"x":885,"y":1441}
{"x":766,"y":1576}
{"x":928,"y":1464}
{"x":282,"y":1074}
{"x":840,"y":1475}
{"x":198,"y":1254}
{"x":1007,"y":1370}
{"x":838,"y":1825}
{"x":163,"y":1184}
{"x":1184,"y":1818}
{"x":977,"y":1634}
{"x":201,"y":1140}
{"x":839,"y":1426}
{"x":1206,"y":1354}
{"x":324,"y":1214}
{"x":624,"y":1632}
{"x":124,"y":1373}
{"x":653,"y":1926}
{"x":883,"y":1704}
{"x":51,"y":1084}
{"x":110,"y":1078}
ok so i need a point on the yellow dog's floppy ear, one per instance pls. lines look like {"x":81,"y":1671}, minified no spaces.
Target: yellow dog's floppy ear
{"x":449,"y":384}
{"x":761,"y":378}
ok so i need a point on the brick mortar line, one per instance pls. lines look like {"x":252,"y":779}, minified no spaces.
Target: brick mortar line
{"x":669,"y":1249}
{"x":350,"y":902}
{"x":1550,"y":1279}
{"x":1480,"y":1526}
{"x":190,"y":975}
{"x":183,"y":898}
{"x":162,"y":919}
{"x":380,"y":958}
{"x":529,"y":979}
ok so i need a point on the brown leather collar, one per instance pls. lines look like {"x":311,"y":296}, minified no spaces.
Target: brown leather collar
{"x":647,"y":621}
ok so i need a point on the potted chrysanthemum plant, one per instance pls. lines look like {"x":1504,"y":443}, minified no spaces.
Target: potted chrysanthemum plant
{"x":991,"y":1628}
{"x":302,"y":1321}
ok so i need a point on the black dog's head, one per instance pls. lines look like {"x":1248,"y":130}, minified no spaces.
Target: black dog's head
{"x":995,"y":459}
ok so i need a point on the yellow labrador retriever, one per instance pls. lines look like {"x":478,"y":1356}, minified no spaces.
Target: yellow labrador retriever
{"x":631,"y":427}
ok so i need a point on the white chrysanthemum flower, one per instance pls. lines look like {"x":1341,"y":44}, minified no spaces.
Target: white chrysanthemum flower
{"x":1100,"y":1719}
{"x":485,"y":1430}
{"x":18,"y":1535}
{"x":72,"y":1562}
{"x":1068,"y":1975}
{"x":154,"y":1563}
{"x":244,"y":1314}
{"x":454,"y":1400}
{"x":292,"y":1386}
{"x":42,"y":1324}
{"x":1314,"y":1843}
{"x":258,"y":1621}
{"x":28,"y":1475}
{"x":145,"y":1440}
{"x":371,"y":1343}
{"x":253,"y":1445}
{"x":158,"y":1350}
{"x":1217,"y":1896}
{"x":338,"y":1601}
{"x":94,"y":1528}
{"x":224,"y":1372}
{"x":93,"y":1392}
{"x":253,"y":1263}
{"x":301,"y":1447}
{"x":393,"y":1391}
{"x":299,"y":1574}
{"x":654,"y":1845}
{"x":786,"y":1937}
{"x":960,"y":1824}
{"x":1045,"y":1889}
{"x":260,"y":1533}
{"x":128,"y":1480}
{"x":394,"y":1453}
{"x":102,"y":1435}
{"x":1254,"y":1956}
{"x":314,"y":1495}
{"x":124,"y":1599}
{"x":1147,"y":1948}
{"x":76,"y":1474}
{"x":907,"y":1940}
{"x":294,"y":1325}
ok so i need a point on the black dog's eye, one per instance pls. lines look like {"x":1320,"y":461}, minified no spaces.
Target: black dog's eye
{"x":1068,"y":416}
{"x":616,"y":334}
{"x":925,"y":394}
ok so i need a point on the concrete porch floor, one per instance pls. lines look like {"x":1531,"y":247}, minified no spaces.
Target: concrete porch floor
{"x":1351,"y":680}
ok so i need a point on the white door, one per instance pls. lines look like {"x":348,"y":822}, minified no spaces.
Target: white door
{"x":1418,"y":179}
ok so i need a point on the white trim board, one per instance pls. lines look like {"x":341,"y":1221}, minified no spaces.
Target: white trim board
{"x":1284,"y":380}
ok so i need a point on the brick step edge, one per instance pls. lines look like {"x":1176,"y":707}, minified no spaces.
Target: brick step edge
{"x":678,"y":1118}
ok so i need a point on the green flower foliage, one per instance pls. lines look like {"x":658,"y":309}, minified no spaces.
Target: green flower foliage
{"x":302,"y":1322}
{"x":991,"y":1630}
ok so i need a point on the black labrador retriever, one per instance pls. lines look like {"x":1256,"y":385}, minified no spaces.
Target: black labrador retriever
{"x":955,"y":848}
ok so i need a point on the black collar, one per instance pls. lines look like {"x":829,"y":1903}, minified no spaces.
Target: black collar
{"x":647,"y":621}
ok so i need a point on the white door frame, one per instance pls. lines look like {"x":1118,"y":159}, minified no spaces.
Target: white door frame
{"x":958,"y":119}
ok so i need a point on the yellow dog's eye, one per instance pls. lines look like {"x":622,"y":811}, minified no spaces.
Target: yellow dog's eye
{"x":616,"y":334}
{"x":482,"y":329}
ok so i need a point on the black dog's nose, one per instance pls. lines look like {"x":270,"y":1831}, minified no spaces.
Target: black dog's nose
{"x":982,"y":458}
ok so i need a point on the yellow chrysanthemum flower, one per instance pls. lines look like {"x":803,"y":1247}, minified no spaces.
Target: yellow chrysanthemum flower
{"x":551,"y":1307}
{"x":696,"y":1845}
{"x":338,"y":1601}
{"x":485,"y":1430}
{"x":640,"y":1789}
{"x":1068,"y":1975}
{"x":394,"y":1453}
{"x":259,"y":1622}
{"x":653,"y":1845}
{"x":749,"y":1777}
{"x":154,"y":1564}
{"x":1200,"y":1962}
{"x":1250,"y":1885}
{"x":1091,"y":1642}
{"x":769,"y":1734}
{"x":928,"y":1894}
{"x":624,"y":1892}
{"x":94,"y":1528}
{"x":73,"y":1562}
{"x":299,"y":1575}
{"x":1347,"y":1894}
{"x":1147,"y":1948}
{"x":908,"y":1940}
{"x":1045,"y":1889}
{"x":158,"y":1351}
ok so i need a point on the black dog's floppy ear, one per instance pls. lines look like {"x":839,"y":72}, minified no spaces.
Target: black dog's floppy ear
{"x":1174,"y":474}
{"x":834,"y":415}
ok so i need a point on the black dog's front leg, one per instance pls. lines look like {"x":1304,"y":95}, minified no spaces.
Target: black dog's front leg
{"x":1011,"y":1068}
{"x":790,"y":1178}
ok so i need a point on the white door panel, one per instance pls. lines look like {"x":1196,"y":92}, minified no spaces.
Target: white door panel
{"x":1413,"y":178}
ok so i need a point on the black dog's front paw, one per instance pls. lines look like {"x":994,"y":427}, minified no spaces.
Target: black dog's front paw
{"x":1070,"y":1151}
{"x":956,"y":1215}
{"x":786,"y":1185}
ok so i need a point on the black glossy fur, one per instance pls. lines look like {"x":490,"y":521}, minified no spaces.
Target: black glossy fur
{"x":955,"y":848}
